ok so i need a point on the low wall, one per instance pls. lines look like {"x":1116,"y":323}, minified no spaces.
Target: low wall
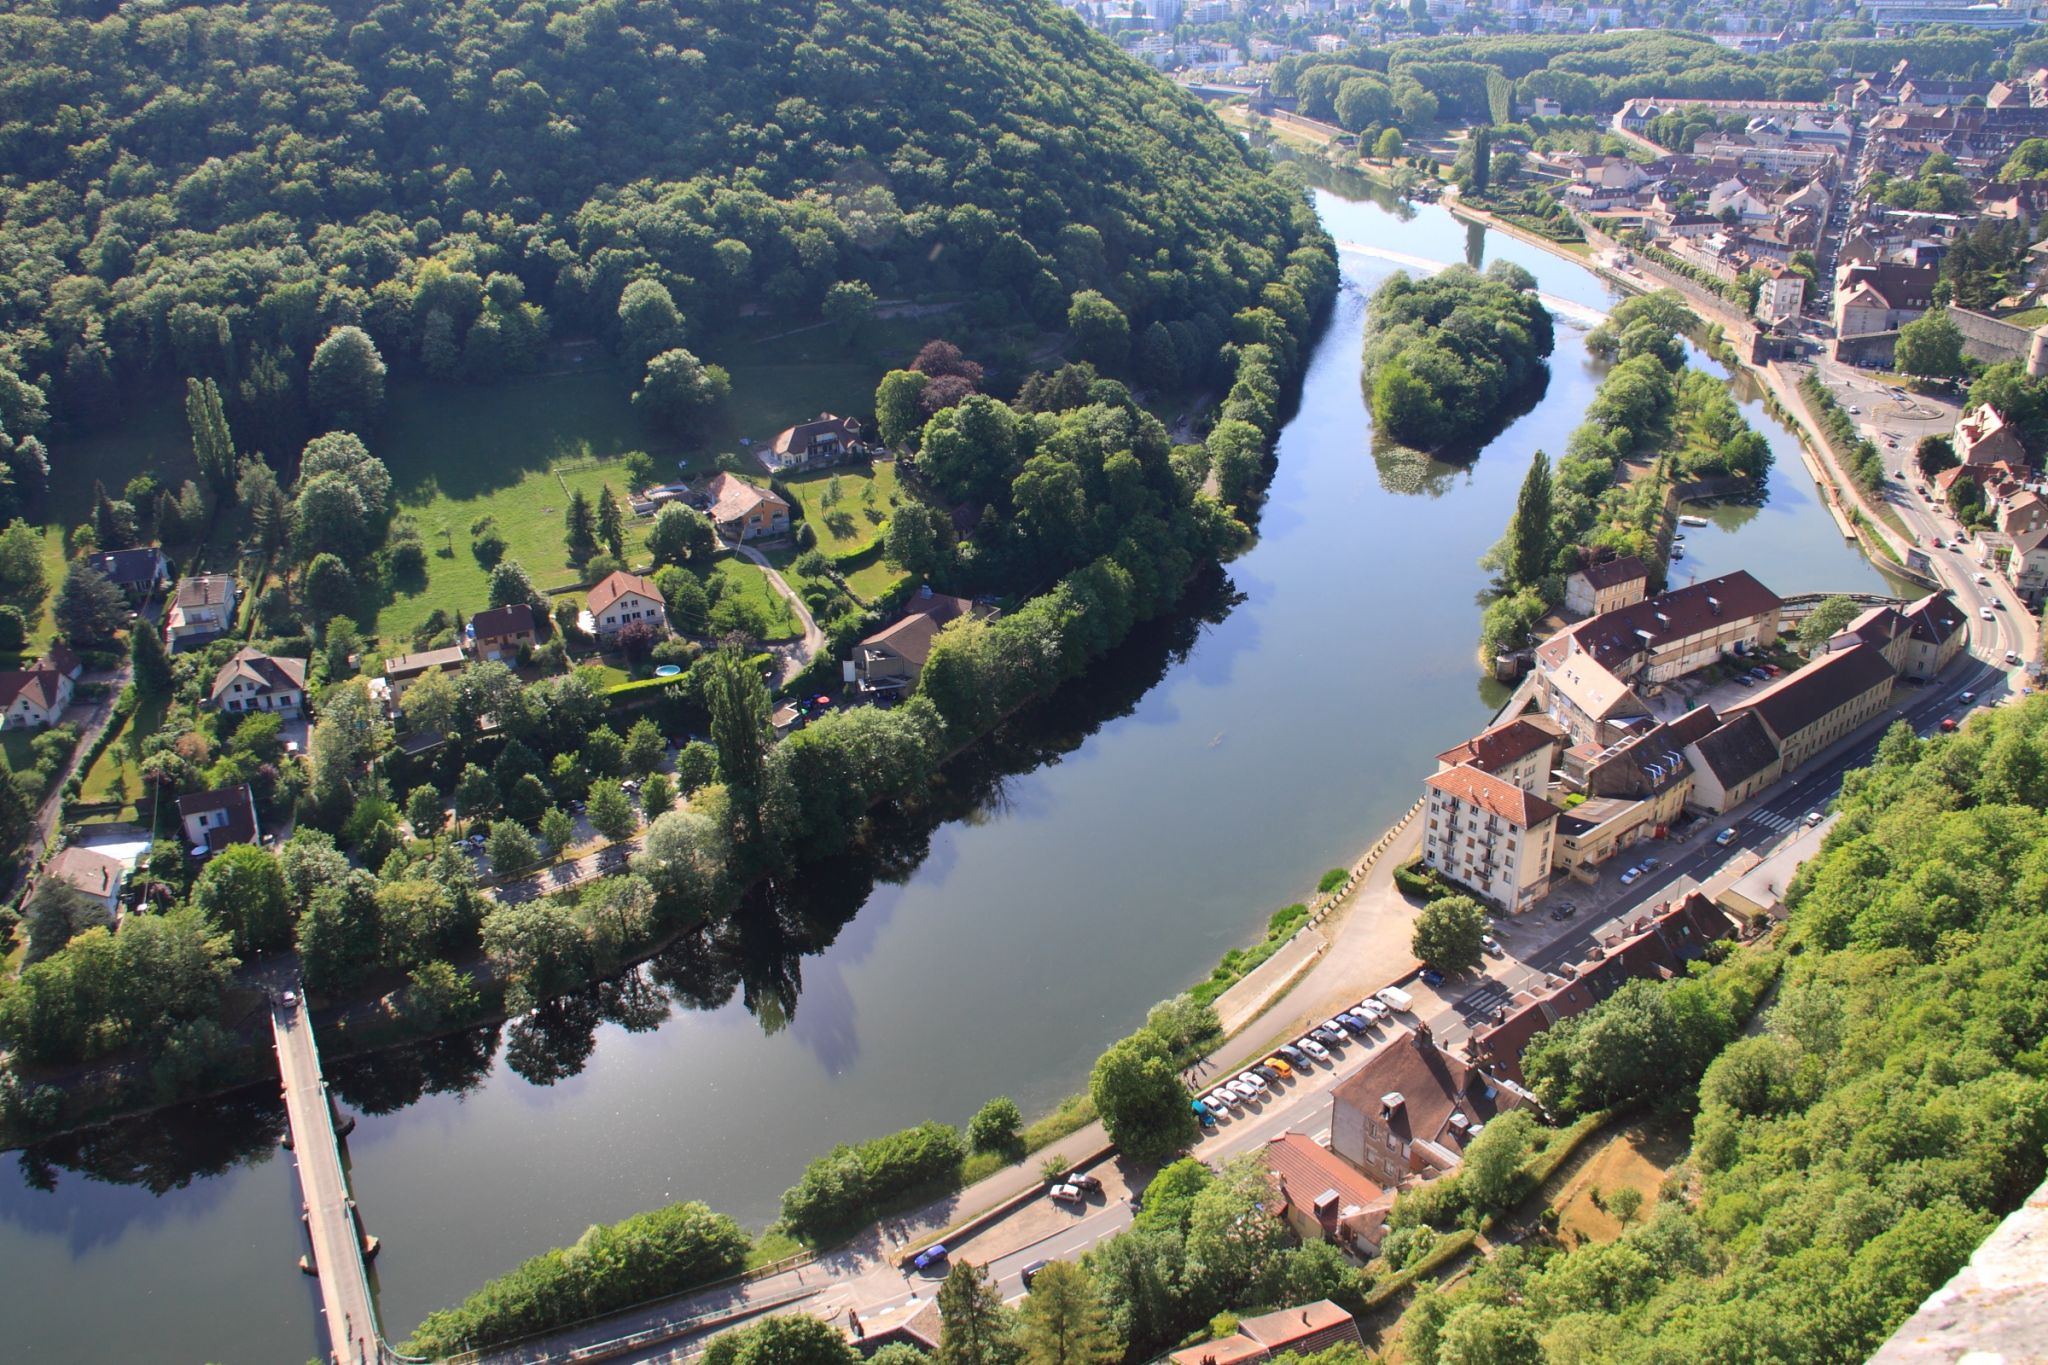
{"x":1867,"y":348}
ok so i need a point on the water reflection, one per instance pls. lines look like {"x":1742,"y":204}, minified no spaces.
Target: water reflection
{"x":159,"y":1153}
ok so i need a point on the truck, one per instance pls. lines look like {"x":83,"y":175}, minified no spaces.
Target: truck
{"x":1394,"y":998}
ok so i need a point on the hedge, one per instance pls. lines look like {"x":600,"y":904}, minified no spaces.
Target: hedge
{"x":654,"y":1254}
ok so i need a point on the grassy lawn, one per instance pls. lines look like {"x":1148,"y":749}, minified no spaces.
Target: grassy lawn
{"x":512,"y":453}
{"x":116,"y":769}
{"x":853,"y":523}
{"x":15,"y":751}
{"x":748,"y":581}
{"x":874,"y":579}
{"x":2027,"y":317}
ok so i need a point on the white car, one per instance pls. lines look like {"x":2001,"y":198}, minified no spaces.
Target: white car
{"x":1245,"y":1090}
{"x":1256,"y":1082}
{"x":1492,"y":945}
{"x":1225,"y":1095}
{"x":1372,"y":1009}
{"x":1068,"y":1194}
{"x":1215,"y":1106}
{"x":1813,"y":817}
{"x":1984,"y":580}
{"x":1985,"y":612}
{"x":1312,"y":1048}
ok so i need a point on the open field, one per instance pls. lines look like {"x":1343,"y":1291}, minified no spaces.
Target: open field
{"x":872,"y":580}
{"x":855,"y":521}
{"x":1636,"y":1157}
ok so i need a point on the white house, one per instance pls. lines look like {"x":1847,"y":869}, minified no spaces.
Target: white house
{"x":1488,"y":834}
{"x":623,"y":599}
{"x":34,"y":697}
{"x":202,"y":610}
{"x":255,"y":681}
{"x":213,"y":820}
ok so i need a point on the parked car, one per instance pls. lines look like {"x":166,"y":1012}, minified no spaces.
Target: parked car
{"x":1083,"y":1181}
{"x":1374,"y":1010}
{"x":1280,"y":1066}
{"x":1813,"y":817}
{"x":1431,"y":977}
{"x":1652,"y":863}
{"x":1492,"y":945}
{"x":1230,"y":1098}
{"x":1266,"y":1074}
{"x":1725,"y":837}
{"x":1330,"y":1036}
{"x":1313,"y":1048}
{"x":929,"y":1257}
{"x":1629,"y":877}
{"x":1250,"y":1081}
{"x":1744,"y":680}
{"x":1213,"y":1105}
{"x":1203,"y":1114}
{"x":1067,"y":1194}
{"x":1394,"y":998}
{"x":1294,"y":1055}
{"x":1352,"y":1023}
{"x":1030,"y":1272}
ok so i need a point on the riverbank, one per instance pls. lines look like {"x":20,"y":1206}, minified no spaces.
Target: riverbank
{"x":1101,"y":854}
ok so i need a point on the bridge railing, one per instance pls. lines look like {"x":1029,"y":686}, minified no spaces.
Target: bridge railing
{"x":745,"y":1277}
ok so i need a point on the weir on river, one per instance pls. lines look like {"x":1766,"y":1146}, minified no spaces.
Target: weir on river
{"x":1098,"y":856}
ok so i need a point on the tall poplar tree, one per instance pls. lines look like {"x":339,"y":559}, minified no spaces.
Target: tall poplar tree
{"x":581,"y":527}
{"x":1529,"y":534}
{"x":739,"y":727}
{"x":976,"y":1327}
{"x":212,"y":444}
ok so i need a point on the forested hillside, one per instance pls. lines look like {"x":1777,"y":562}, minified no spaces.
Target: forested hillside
{"x":1862,"y":1136}
{"x":209,"y":190}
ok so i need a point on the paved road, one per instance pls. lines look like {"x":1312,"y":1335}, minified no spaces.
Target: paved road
{"x":351,"y":1320}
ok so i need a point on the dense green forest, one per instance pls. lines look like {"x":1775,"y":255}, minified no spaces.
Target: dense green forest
{"x":1446,"y":355}
{"x":1851,"y":1146}
{"x":210,"y":190}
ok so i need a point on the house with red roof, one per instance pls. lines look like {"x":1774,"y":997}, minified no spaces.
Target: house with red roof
{"x":1489,"y":835}
{"x":1305,"y":1331}
{"x":1322,"y":1198}
{"x":35,"y":697}
{"x":622,"y":599}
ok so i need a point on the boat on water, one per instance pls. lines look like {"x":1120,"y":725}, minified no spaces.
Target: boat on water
{"x":1692,"y":521}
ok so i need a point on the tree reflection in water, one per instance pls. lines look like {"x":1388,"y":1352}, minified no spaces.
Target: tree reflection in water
{"x":756,"y":953}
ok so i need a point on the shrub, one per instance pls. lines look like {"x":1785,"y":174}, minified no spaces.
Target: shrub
{"x":664,"y":1251}
{"x":849,"y":1185}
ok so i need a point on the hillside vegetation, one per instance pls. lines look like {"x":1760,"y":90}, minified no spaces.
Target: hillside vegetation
{"x":210,"y":190}
{"x":1849,"y":1153}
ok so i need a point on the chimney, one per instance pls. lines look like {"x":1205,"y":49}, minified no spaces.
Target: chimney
{"x":1390,"y":1102}
{"x":1422,"y":1035}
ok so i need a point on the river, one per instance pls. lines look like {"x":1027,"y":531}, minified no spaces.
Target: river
{"x":1098,"y":858}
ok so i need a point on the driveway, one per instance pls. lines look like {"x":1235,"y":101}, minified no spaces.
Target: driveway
{"x":795,"y":658}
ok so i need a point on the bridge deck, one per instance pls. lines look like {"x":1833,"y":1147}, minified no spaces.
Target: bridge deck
{"x":337,"y":1251}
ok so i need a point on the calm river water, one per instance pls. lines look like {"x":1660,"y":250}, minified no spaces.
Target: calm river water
{"x":1097,"y":860}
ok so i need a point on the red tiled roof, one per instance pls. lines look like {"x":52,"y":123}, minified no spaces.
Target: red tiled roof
{"x":1492,"y":795}
{"x":1308,"y":1170}
{"x":616,"y":584}
{"x":1501,"y":745}
{"x":499,"y":622}
{"x":1306,"y":1330}
{"x":1616,"y":635}
{"x":39,"y":685}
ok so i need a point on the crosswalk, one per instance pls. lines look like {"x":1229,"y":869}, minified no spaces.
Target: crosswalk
{"x":1771,"y":820}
